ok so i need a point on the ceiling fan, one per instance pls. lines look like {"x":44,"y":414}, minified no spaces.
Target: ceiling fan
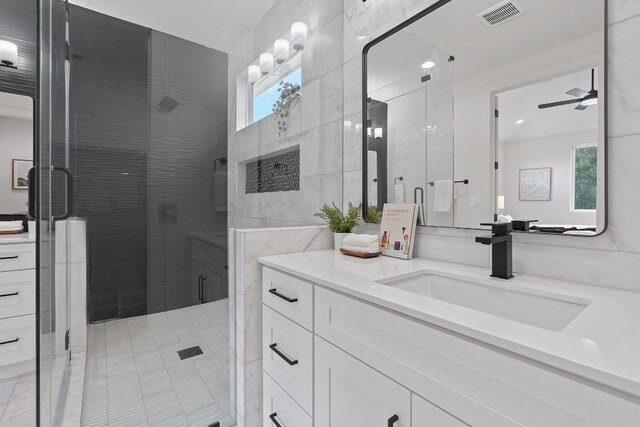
{"x":583,"y":98}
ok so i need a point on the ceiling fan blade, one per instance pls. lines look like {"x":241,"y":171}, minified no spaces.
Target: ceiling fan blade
{"x":559,"y":103}
{"x":579,"y":93}
{"x":582,"y":107}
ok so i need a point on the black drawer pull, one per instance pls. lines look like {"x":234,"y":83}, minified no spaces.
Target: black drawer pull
{"x":8,"y":257}
{"x":393,"y":420}
{"x":9,"y":295}
{"x":274,"y":420}
{"x":10,"y":342}
{"x":284,"y":297}
{"x":281,"y":354}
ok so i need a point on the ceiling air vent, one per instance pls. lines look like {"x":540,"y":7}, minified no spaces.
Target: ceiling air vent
{"x":501,"y":13}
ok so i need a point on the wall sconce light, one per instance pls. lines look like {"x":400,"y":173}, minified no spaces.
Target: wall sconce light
{"x":253,"y":73}
{"x":298,"y":35}
{"x":369,"y":132}
{"x":500,"y":202}
{"x":377,"y":133}
{"x":8,"y":54}
{"x":266,"y":63}
{"x":281,"y":50}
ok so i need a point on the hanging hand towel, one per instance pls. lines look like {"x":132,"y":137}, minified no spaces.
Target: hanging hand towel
{"x":398,"y":193}
{"x":220,"y":188}
{"x":443,"y":197}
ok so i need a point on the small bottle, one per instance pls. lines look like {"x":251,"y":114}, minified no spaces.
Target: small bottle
{"x":384,"y":240}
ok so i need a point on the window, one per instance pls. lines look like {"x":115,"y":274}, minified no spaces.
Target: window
{"x":585,"y":177}
{"x":263,"y":101}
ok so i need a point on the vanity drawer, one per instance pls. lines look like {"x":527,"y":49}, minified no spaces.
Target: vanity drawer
{"x":479,"y":384}
{"x":288,"y":356}
{"x":20,"y":256}
{"x":279,"y":405}
{"x":17,"y":339}
{"x":17,"y":293}
{"x":289,"y":296}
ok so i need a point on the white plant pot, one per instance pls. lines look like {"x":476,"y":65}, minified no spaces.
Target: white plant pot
{"x":337,"y":240}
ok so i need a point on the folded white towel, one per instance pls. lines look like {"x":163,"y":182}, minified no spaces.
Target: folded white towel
{"x":10,"y":225}
{"x":443,"y":196}
{"x":361,"y":240}
{"x":361,"y":250}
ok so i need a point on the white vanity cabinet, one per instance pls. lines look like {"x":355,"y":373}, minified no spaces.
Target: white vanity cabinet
{"x":17,"y":305}
{"x":349,"y":393}
{"x":373,"y":366}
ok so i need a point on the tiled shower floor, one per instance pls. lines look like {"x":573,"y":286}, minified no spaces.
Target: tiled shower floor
{"x":134,"y":376}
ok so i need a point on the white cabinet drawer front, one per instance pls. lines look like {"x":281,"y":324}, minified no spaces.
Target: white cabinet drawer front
{"x":425,"y":414}
{"x":17,"y":339}
{"x":289,"y":296}
{"x":479,"y":384}
{"x":17,"y":293}
{"x":288,"y":356}
{"x":21,"y":256}
{"x":349,"y":393}
{"x":280,"y":407}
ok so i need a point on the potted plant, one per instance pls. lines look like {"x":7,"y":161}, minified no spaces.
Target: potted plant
{"x":339,"y":222}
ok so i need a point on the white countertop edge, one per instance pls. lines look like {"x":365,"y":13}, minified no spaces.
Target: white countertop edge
{"x":590,"y":373}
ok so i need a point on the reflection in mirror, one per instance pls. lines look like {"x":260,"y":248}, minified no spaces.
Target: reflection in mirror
{"x":548,"y":150}
{"x":502,"y":120}
{"x":16,"y":152}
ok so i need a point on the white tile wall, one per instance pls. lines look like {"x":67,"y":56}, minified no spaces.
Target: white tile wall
{"x":250,"y":244}
{"x":315,"y":124}
{"x":612,"y":259}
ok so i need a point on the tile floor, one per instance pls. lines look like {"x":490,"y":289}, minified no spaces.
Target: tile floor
{"x":134,"y":376}
{"x":18,"y":401}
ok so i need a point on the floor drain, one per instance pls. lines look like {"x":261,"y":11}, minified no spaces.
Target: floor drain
{"x":190,"y":352}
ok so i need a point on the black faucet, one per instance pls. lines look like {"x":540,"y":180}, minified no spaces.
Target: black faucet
{"x":501,"y":251}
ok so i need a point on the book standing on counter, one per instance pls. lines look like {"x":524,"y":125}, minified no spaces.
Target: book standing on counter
{"x":398,"y":229}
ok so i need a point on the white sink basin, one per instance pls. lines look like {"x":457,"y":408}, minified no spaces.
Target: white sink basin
{"x":537,"y":308}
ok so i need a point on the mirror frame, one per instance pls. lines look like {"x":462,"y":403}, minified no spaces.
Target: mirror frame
{"x":605,"y":107}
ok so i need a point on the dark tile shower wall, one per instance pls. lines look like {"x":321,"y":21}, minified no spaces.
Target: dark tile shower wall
{"x":274,"y":173}
{"x":148,"y":117}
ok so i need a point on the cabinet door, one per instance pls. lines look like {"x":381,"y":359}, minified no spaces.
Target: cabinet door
{"x":213,"y":287}
{"x":349,"y":393}
{"x":425,"y":414}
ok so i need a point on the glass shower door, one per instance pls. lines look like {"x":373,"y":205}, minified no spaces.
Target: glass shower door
{"x":53,"y":188}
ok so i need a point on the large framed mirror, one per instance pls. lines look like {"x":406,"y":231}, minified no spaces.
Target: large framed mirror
{"x":490,"y":110}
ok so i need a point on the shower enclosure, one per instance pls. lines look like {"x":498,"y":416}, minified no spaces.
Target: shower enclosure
{"x":410,"y":125}
{"x":130,"y":196}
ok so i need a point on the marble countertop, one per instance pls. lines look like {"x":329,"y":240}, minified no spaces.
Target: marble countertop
{"x":6,"y":239}
{"x":601,"y":344}
{"x":215,"y":239}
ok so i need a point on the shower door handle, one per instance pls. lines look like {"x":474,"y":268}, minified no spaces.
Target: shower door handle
{"x":68,"y":211}
{"x":32,"y":193}
{"x":204,"y":290}
{"x":200,"y":288}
